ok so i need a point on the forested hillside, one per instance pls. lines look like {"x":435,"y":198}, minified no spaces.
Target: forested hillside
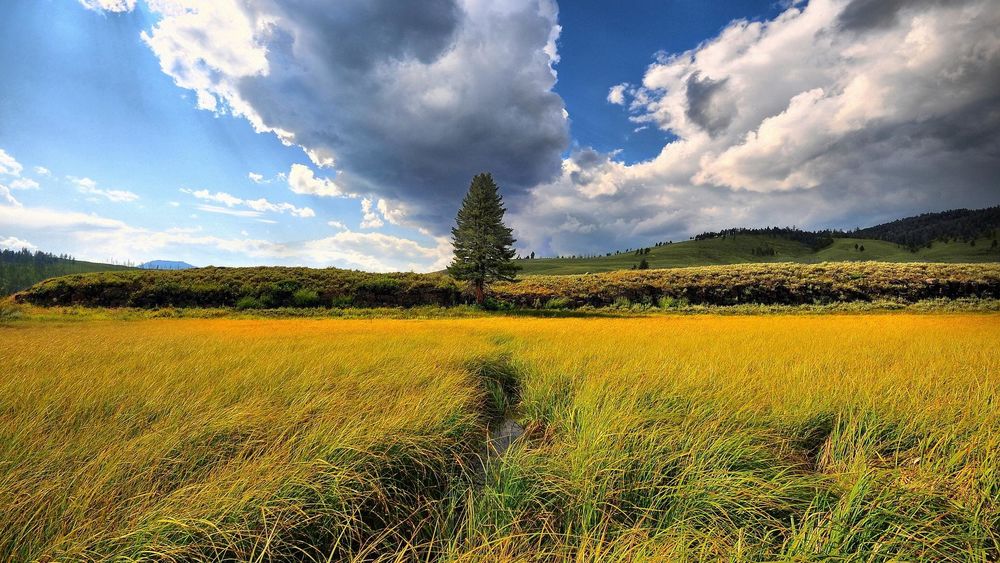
{"x":20,"y":269}
{"x":964,"y":225}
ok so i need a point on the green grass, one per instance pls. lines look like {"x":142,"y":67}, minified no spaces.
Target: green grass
{"x":739,"y":250}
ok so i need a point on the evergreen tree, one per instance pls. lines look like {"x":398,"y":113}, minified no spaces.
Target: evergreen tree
{"x":483,"y":244}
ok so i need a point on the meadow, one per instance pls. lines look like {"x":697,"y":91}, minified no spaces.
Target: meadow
{"x":740,"y":250}
{"x":857,"y":436}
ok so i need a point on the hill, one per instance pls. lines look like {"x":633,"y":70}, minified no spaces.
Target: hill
{"x":952,"y":236}
{"x":164,"y":265}
{"x":269,"y":287}
{"x":745,"y":249}
{"x":20,"y":269}
{"x":962,"y":225}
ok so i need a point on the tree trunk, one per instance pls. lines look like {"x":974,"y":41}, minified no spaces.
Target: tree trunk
{"x":480,"y":295}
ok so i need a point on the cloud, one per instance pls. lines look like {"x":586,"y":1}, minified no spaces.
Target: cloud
{"x":8,"y":165}
{"x":302,"y":180}
{"x":89,"y":187}
{"x":407,"y":101}
{"x":369,"y":219}
{"x":337,"y":225}
{"x":616,"y":95}
{"x":8,"y":197}
{"x":81,"y":234}
{"x":815,"y":119}
{"x":24,"y":184}
{"x":42,"y":171}
{"x":255,"y":177}
{"x":108,"y":5}
{"x":15,"y":243}
{"x":257,"y":206}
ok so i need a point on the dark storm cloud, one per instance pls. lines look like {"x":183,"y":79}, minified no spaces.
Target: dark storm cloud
{"x":407,"y":100}
{"x":863,"y":15}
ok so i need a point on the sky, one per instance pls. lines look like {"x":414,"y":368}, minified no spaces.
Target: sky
{"x":308,"y":132}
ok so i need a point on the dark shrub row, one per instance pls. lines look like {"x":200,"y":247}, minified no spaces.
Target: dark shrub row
{"x":782,"y":283}
{"x":266,"y":287}
{"x":261,"y":287}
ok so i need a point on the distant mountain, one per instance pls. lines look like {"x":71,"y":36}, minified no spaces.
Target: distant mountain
{"x":165,"y":265}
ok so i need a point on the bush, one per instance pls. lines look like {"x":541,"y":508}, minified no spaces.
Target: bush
{"x":667,"y":302}
{"x":9,"y":310}
{"x":249,"y":302}
{"x":341,"y":301}
{"x":305,"y":298}
{"x":557,"y":303}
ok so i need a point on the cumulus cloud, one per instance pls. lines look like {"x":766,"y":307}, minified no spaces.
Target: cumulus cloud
{"x":257,"y":207}
{"x":302,"y":180}
{"x":616,"y":95}
{"x":369,"y":218}
{"x":89,"y":187}
{"x":42,"y":171}
{"x":14,"y":243}
{"x":836,"y":113}
{"x":406,"y":100}
{"x":255,"y":177}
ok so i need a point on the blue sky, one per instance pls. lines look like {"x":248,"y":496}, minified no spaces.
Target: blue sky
{"x":295,"y":133}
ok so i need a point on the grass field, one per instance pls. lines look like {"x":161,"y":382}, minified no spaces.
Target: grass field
{"x":872,"y":437}
{"x":739,"y":250}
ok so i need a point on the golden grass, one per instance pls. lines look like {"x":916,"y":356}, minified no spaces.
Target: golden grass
{"x":872,"y":436}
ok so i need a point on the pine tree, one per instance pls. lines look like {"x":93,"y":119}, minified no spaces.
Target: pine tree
{"x":483,"y":244}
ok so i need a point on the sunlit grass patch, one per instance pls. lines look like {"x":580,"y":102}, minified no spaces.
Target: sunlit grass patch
{"x":676,"y":437}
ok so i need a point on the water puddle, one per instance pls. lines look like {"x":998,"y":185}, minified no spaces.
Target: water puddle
{"x":502,"y":436}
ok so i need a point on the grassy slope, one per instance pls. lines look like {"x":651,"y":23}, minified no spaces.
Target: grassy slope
{"x":745,"y":438}
{"x":15,"y":277}
{"x":739,"y":250}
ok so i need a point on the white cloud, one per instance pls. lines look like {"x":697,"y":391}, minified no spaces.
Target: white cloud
{"x":394,"y":214}
{"x":257,"y":206}
{"x":255,"y":177}
{"x":302,"y":180}
{"x":5,"y":195}
{"x":94,"y":237}
{"x":369,"y":219}
{"x":218,"y":197}
{"x":228,"y":211}
{"x":616,"y":95}
{"x":337,"y":225}
{"x":42,"y":171}
{"x":818,"y":118}
{"x":89,"y":187}
{"x":15,"y":243}
{"x":24,"y":184}
{"x":8,"y":165}
{"x":108,"y":5}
